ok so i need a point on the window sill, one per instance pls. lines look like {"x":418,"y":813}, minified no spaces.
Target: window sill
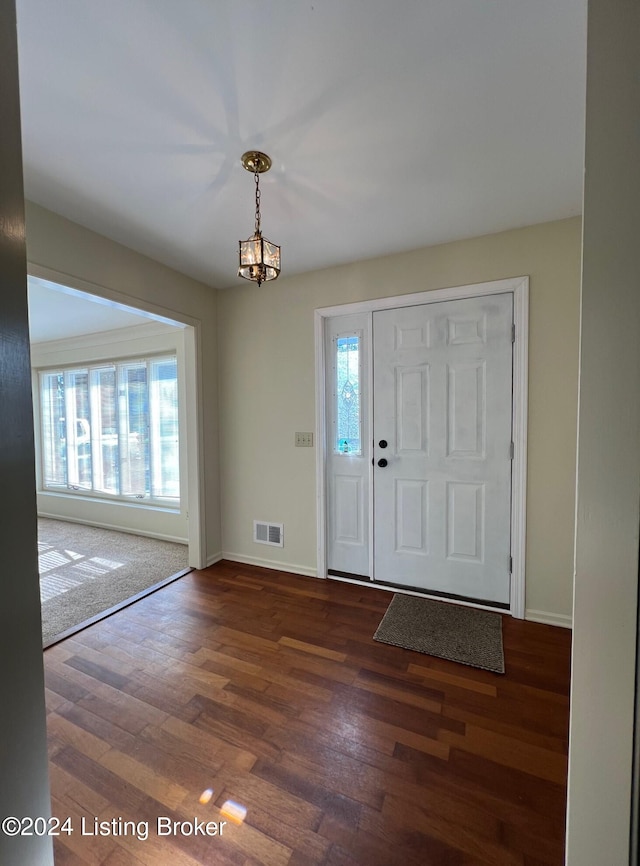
{"x":63,"y":496}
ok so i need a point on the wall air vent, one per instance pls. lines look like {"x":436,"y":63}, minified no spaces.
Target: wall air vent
{"x":268,"y":533}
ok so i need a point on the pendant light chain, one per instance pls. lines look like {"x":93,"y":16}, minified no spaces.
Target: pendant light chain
{"x":257,"y":178}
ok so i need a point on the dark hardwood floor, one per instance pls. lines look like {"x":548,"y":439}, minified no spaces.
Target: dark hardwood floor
{"x":269,"y":689}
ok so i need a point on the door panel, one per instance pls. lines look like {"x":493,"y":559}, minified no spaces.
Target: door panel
{"x":465,"y":521}
{"x":348,"y":510}
{"x":412,"y":415}
{"x":466,"y":410}
{"x":412,"y":516}
{"x":443,"y":401}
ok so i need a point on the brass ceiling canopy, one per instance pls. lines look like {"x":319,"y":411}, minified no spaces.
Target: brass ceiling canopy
{"x":259,"y":258}
{"x":256,"y":161}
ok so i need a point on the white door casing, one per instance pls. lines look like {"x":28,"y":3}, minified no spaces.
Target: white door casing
{"x":517,"y":289}
{"x":442,"y":483}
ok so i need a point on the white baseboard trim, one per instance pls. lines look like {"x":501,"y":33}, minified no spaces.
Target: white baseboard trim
{"x":547,"y":618}
{"x":115,"y":528}
{"x":216,"y":557}
{"x":269,"y":563}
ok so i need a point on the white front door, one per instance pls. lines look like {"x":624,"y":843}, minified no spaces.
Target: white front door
{"x":442,"y":414}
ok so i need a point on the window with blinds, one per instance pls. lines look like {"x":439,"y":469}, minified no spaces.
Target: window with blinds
{"x":111,"y":429}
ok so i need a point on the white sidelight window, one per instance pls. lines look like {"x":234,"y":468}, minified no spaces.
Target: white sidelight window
{"x":348,"y":416}
{"x":111,"y":430}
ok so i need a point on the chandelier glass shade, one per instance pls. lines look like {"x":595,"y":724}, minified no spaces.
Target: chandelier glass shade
{"x":259,"y":258}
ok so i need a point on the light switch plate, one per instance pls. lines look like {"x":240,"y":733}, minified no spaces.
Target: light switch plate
{"x":304,"y":440}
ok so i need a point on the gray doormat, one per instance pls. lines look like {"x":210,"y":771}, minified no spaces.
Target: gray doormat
{"x":461,"y":634}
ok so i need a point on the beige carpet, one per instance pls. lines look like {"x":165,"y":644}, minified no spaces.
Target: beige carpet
{"x":85,"y":571}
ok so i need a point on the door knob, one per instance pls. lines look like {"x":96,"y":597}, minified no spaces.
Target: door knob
{"x":383,"y":443}
{"x":382,"y":462}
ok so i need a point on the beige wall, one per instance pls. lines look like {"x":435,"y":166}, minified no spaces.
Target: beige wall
{"x":266,"y":343}
{"x":67,"y":248}
{"x":607,"y":517}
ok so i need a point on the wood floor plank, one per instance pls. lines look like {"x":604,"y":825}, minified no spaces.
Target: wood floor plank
{"x":323,"y":743}
{"x":543,"y":763}
{"x":411,"y":697}
{"x":312,"y":648}
{"x":536,"y":795}
{"x":111,"y":734}
{"x":443,"y":827}
{"x":364,"y":844}
{"x":75,"y":793}
{"x":314,"y":669}
{"x":209,"y":744}
{"x":431,"y":674}
{"x":516,"y":731}
{"x":72,"y":847}
{"x":301,"y":841}
{"x":122,"y":796}
{"x":152,"y":852}
{"x":144,"y":778}
{"x":84,"y":741}
{"x":225,"y":662}
{"x":275,"y":800}
{"x":511,"y":805}
{"x":302,"y":785}
{"x":268,"y":689}
{"x":261,"y":847}
{"x":54,"y":701}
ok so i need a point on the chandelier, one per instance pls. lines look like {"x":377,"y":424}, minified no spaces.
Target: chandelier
{"x":259,"y":258}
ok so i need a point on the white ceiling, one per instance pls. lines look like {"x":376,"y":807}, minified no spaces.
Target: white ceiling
{"x":59,"y":313}
{"x":391,"y":125}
